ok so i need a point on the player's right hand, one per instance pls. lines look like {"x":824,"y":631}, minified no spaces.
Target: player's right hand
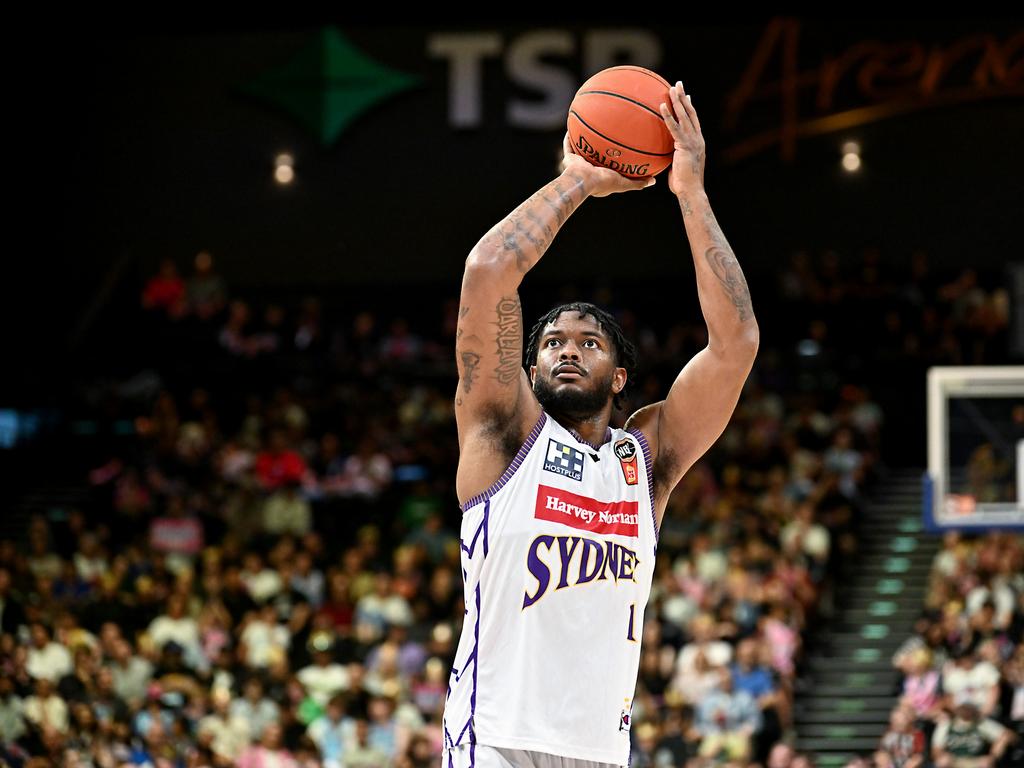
{"x":602,"y":181}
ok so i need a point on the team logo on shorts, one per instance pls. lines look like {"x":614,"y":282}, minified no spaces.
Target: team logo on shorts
{"x":624,"y":721}
{"x":564,"y":460}
{"x":625,"y":449}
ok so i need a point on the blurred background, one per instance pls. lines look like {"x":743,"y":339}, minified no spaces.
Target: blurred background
{"x":229,"y":530}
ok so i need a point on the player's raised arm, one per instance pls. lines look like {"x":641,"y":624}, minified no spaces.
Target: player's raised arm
{"x":704,"y":395}
{"x":494,"y":393}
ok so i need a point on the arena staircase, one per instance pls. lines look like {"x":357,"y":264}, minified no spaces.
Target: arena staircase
{"x":849,"y":686}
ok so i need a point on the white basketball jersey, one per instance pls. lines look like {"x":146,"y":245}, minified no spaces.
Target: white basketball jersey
{"x":557,"y":559}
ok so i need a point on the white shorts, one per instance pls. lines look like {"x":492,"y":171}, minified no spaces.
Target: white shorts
{"x":485,"y":756}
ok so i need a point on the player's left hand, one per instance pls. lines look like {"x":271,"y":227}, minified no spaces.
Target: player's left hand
{"x":687,"y":171}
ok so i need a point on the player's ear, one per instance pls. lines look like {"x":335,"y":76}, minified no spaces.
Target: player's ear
{"x":619,"y":380}
{"x":533,"y":373}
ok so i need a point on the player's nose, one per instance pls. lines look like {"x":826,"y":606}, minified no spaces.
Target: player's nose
{"x":569,"y":351}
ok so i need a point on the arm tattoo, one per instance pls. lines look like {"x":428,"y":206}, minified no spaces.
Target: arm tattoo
{"x":528,"y":231}
{"x":560,"y":214}
{"x":723,"y":263}
{"x":697,"y":162}
{"x":470,"y":360}
{"x":541,"y":225}
{"x":729,"y":274}
{"x":510,"y":340}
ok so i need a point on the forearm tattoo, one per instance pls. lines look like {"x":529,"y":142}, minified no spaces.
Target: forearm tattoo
{"x":725,"y":267}
{"x":526,"y":233}
{"x":510,"y":339}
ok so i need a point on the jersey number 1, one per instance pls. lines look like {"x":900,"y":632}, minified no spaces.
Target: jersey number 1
{"x":629,"y":630}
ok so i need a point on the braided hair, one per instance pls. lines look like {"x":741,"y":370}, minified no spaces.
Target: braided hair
{"x":625,"y":350}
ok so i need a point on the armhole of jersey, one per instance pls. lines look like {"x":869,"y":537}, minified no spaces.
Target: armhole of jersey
{"x":510,"y":470}
{"x":650,"y":475}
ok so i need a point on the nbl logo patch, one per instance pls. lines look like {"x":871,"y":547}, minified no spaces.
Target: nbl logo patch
{"x":564,"y":460}
{"x":625,"y":449}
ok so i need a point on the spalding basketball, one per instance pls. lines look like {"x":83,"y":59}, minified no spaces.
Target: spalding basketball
{"x":615,"y":121}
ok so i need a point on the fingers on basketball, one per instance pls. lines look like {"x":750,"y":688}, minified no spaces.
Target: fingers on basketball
{"x":670,"y":120}
{"x":684,"y":104}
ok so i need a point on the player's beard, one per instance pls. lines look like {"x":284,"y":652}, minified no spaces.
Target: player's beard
{"x":578,"y":402}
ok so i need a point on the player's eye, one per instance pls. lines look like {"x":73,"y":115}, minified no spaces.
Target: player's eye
{"x":549,"y":342}
{"x":590,"y":341}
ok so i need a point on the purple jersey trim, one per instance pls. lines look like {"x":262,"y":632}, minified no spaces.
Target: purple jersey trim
{"x":476,"y":537}
{"x":473,"y":657}
{"x":487,"y":514}
{"x":510,"y":470}
{"x":650,"y":475}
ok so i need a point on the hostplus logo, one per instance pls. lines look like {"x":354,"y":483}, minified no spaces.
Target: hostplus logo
{"x":564,"y":460}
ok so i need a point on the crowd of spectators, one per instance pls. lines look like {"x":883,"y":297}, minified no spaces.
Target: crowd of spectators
{"x":267,"y":570}
{"x":961,"y":698}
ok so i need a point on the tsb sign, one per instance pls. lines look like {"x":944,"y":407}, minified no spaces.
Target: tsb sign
{"x":529,"y":63}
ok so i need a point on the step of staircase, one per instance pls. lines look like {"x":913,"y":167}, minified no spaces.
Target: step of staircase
{"x":848,"y":687}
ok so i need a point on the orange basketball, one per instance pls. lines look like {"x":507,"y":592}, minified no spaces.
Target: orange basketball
{"x":615,"y":121}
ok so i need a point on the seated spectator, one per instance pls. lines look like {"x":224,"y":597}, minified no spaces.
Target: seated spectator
{"x":333,"y":732}
{"x":307,"y":579}
{"x":749,"y":674}
{"x":381,"y":607}
{"x":12,"y":712}
{"x":842,"y":459}
{"x":780,"y":636}
{"x":967,"y":680}
{"x":324,"y":678}
{"x":227,"y":735}
{"x":269,"y":752}
{"x":177,"y":627}
{"x":727,"y":720}
{"x":365,"y":474}
{"x":804,"y":537}
{"x":921,"y":691}
{"x":47,"y":659}
{"x":263,"y":638}
{"x":968,"y":740}
{"x":131,"y":673}
{"x":261,"y":581}
{"x":694,"y":682}
{"x":903,"y":745}
{"x":165,"y":291}
{"x":177,"y":533}
{"x":255,"y":708}
{"x":287,"y":511}
{"x":205,"y":290}
{"x":363,"y":753}
{"x":279,"y":464}
{"x":716,"y":652}
{"x":45,"y":708}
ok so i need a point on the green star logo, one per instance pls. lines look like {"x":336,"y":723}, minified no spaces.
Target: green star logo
{"x":328,"y":84}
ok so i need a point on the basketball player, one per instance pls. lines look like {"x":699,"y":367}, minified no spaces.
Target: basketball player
{"x":560,"y":511}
